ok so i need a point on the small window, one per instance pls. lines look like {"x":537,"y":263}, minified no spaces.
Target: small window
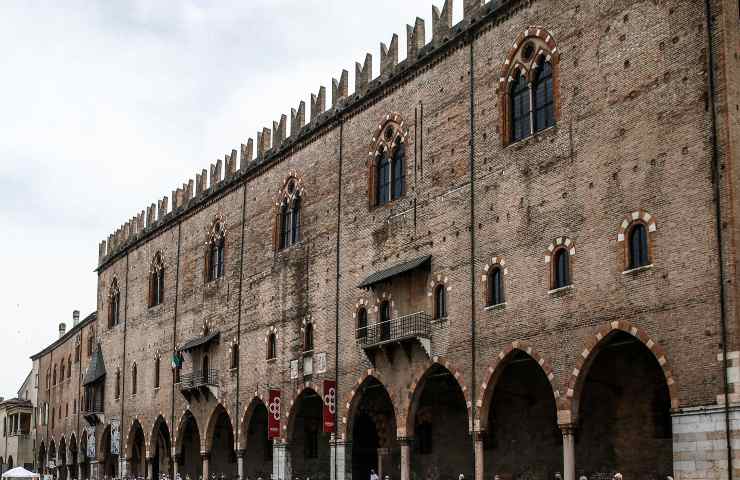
{"x":157,"y":362}
{"x":561,"y":269}
{"x":156,"y":281}
{"x":271,"y":347}
{"x":638,"y":246}
{"x":234,"y":356}
{"x":74,"y":406}
{"x":77,"y":353}
{"x":495,"y":287}
{"x":285,"y":217}
{"x":440,"y":302}
{"x":384,"y":319}
{"x":308,"y":338}
{"x":90,"y":346}
{"x":133,"y":380}
{"x":114,"y":305}
{"x":69,"y":367}
{"x":54,"y":377}
{"x":66,"y":409}
{"x":361,"y":324}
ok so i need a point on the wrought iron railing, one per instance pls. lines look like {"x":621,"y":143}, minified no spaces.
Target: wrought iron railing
{"x":416,"y":325}
{"x":199,"y":378}
{"x":94,"y":406}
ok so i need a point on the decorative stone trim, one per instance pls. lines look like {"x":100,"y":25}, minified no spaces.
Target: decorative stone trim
{"x":414,"y":389}
{"x":352,"y":399}
{"x":390,"y":130}
{"x":496,"y":261}
{"x":591,"y":349}
{"x":637,"y":217}
{"x":496,"y":369}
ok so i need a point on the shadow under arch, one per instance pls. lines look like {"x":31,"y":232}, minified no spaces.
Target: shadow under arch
{"x":136,"y":450}
{"x":219,"y":442}
{"x":188,"y":446}
{"x":160,"y":445}
{"x":309,"y":445}
{"x":253,"y":437}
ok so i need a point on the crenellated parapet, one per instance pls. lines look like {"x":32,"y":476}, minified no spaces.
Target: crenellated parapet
{"x":271,"y":142}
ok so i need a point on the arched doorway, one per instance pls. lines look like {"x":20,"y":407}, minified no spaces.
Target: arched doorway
{"x":374,"y":444}
{"x":255,"y":441}
{"x":10,"y":463}
{"x":42,"y":458}
{"x":136,"y":451}
{"x":309,"y":445}
{"x":188,"y":442}
{"x":72,"y":457}
{"x":623,"y":411}
{"x":83,"y":464}
{"x":223,"y":456}
{"x":62,"y":460}
{"x":109,"y":461}
{"x":442,"y":446}
{"x":161,"y":448}
{"x":522,"y":437}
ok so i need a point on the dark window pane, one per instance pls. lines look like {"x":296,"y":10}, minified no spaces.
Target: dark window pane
{"x":384,"y":174}
{"x":295,"y":233}
{"x":440,"y":298}
{"x":362,"y":323}
{"x":399,"y":171}
{"x":285,"y":215}
{"x":638,"y":247}
{"x":520,"y":114}
{"x":496,"y":287}
{"x":544,"y":100}
{"x":562,"y":266}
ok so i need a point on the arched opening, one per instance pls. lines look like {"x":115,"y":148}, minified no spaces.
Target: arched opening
{"x":309,"y":445}
{"x":271,"y":346}
{"x":161,"y":448}
{"x":137,"y":451}
{"x":42,"y":458}
{"x":110,"y":461}
{"x":258,"y":462}
{"x":440,"y":302}
{"x":10,"y":463}
{"x":442,"y":445}
{"x":223,"y":457}
{"x":522,"y":437}
{"x":561,"y":269}
{"x":384,"y":319}
{"x":189,"y":445}
{"x":495,"y":287}
{"x":83,"y":461}
{"x":61,"y":459}
{"x":374,"y":445}
{"x":72,"y":458}
{"x":624,"y":418}
{"x":638,"y":246}
{"x":362,"y":323}
{"x":52,"y":460}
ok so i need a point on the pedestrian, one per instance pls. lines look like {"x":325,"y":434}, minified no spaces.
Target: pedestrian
{"x":373,"y":475}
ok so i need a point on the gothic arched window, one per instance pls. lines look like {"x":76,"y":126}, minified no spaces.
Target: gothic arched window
{"x":361,"y":323}
{"x":156,"y":281}
{"x":308,"y":338}
{"x":271,"y":346}
{"x":215,"y":252}
{"x":384,"y":178}
{"x":387,"y":174}
{"x":440,"y":302}
{"x":114,"y":304}
{"x":288,"y":219}
{"x":638,"y":246}
{"x":134,"y":380}
{"x":495,"y":287}
{"x":543,"y":98}
{"x":520,"y":111}
{"x":560,"y":268}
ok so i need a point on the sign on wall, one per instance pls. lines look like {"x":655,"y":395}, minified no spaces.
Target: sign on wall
{"x":320,"y":362}
{"x":273,"y":419}
{"x":115,"y":436}
{"x":330,"y":404}
{"x":90,"y":442}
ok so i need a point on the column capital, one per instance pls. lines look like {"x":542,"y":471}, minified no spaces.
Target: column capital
{"x":404,"y":441}
{"x":478,"y":435}
{"x":241,"y":453}
{"x":568,"y":428}
{"x":205,"y":455}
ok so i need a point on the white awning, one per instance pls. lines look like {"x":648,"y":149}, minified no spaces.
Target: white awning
{"x":19,"y":472}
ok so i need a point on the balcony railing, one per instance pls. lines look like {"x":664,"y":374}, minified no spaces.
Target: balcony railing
{"x":94,"y":406}
{"x":198,"y":379}
{"x":414,"y":326}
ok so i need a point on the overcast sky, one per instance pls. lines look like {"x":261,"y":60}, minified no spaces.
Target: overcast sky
{"x":107,"y":106}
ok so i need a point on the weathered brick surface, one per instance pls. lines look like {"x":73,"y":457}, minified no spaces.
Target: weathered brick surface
{"x":633,"y":135}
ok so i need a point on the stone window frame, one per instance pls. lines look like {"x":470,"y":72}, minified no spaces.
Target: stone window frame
{"x":290,"y":198}
{"x":308,"y":335}
{"x":636,"y":217}
{"x":215,"y":239}
{"x":378,"y":143}
{"x":545,"y":49}
{"x":568,"y":246}
{"x":157,"y":370}
{"x":443,"y":282}
{"x":497,"y":262}
{"x":114,"y":303}
{"x":362,"y":305}
{"x":134,"y":379}
{"x":271,"y":344}
{"x":234,"y":354}
{"x":156,"y":280}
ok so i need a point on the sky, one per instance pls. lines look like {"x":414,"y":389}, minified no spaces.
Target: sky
{"x":108,"y":105}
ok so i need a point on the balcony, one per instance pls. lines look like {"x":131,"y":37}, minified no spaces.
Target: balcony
{"x":402,"y":331}
{"x":92,"y":411}
{"x":199,"y":381}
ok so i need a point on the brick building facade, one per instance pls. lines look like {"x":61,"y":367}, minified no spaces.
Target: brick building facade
{"x":511,"y":254}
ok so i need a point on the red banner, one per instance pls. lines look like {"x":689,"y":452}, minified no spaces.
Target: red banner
{"x":330,"y":405}
{"x":273,"y":417}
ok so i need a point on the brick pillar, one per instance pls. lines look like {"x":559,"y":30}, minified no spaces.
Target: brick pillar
{"x":240,"y":463}
{"x":205,"y":456}
{"x":341,"y":457}
{"x":383,"y":454}
{"x":281,"y":468}
{"x":479,"y":459}
{"x":569,"y":452}
{"x":405,"y":444}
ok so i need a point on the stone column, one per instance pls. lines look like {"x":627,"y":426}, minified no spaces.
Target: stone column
{"x":341,"y":457}
{"x":205,"y":456}
{"x":383,"y":454}
{"x":405,"y":444}
{"x":150,"y":469}
{"x":240,"y":463}
{"x":479,"y":458}
{"x":93,"y":470}
{"x":281,"y":468}
{"x":569,"y":452}
{"x":175,"y":465}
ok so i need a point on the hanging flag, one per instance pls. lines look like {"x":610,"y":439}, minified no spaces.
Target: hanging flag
{"x":330,"y":405}
{"x":176,"y":360}
{"x":273,"y":419}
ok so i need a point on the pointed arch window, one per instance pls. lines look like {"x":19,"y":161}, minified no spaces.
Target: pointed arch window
{"x":271,"y":346}
{"x":157,"y":362}
{"x":384,"y":320}
{"x":54,"y":376}
{"x":289,"y":215}
{"x":134,"y":379}
{"x":156,"y":281}
{"x":543,"y":98}
{"x":495,"y":287}
{"x":308,"y":338}
{"x":114,"y":304}
{"x":61,"y":371}
{"x":234,"y":356}
{"x":215,"y":252}
{"x":387,"y":173}
{"x":362,"y":323}
{"x":561,"y":269}
{"x":638,"y":246}
{"x":118,"y":384}
{"x":69,"y":366}
{"x":440,"y":302}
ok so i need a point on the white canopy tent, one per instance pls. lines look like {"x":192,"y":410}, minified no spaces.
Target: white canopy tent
{"x":20,"y":473}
